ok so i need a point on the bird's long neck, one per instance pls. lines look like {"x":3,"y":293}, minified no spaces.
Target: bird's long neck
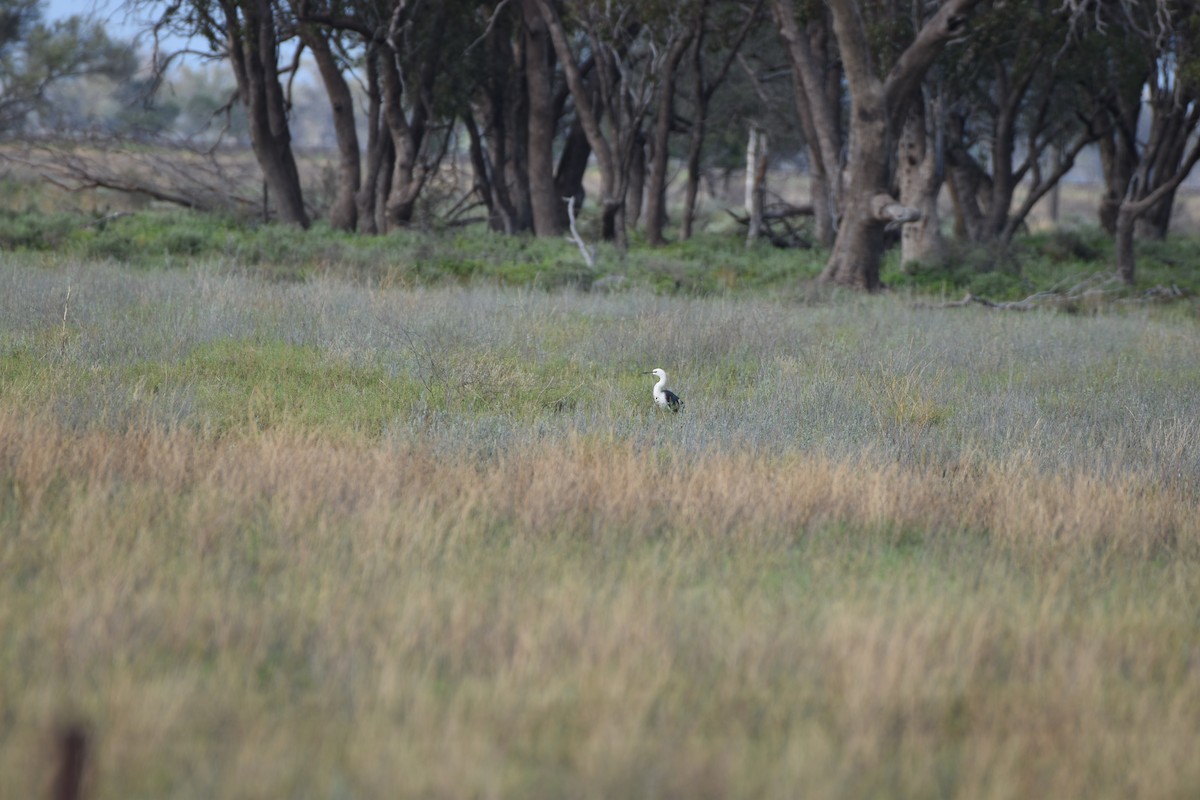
{"x":658,"y":387}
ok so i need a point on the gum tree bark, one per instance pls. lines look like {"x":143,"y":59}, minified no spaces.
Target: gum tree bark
{"x":408,"y":134}
{"x":625,"y":73}
{"x":656,"y":190}
{"x":611,"y":193}
{"x":878,"y":104}
{"x":635,"y":187}
{"x":544,"y":199}
{"x":492,"y":123}
{"x":253,"y":53}
{"x":817,"y":107}
{"x":919,"y":175}
{"x":343,"y":212}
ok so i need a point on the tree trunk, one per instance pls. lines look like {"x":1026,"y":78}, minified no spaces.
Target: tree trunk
{"x":408,"y":136}
{"x":1156,"y":222}
{"x":854,"y":261}
{"x":343,"y":212}
{"x":656,"y":191}
{"x":817,"y":112}
{"x":378,"y":140}
{"x":696,"y":137}
{"x":572,"y":167}
{"x":756,"y":180}
{"x":1003,"y":183}
{"x":703,"y":90}
{"x":877,"y":109}
{"x":920,"y":181}
{"x":1055,"y":202}
{"x":858,"y":248}
{"x":1125,"y":224}
{"x":636,"y":187}
{"x":254,"y":56}
{"x":383,"y":182}
{"x":496,"y":104}
{"x":967,"y":182}
{"x":1118,"y":154}
{"x":692,"y":187}
{"x":406,"y":141}
{"x":1138,"y":201}
{"x":545,"y":202}
{"x":1042,"y":183}
{"x":492,"y":157}
{"x":499,"y":214}
{"x":612,"y":197}
{"x":515,"y":132}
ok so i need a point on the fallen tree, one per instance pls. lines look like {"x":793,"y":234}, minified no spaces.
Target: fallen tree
{"x":204,"y":180}
{"x":1096,"y":289}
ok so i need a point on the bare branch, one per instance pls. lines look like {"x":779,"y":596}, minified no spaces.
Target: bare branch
{"x":488,"y":28}
{"x":589,"y":253}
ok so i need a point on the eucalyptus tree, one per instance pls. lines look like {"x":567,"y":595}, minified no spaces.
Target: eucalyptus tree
{"x":676,"y":29}
{"x":538,"y":51}
{"x":521,"y":115}
{"x":35,"y":55}
{"x":627,"y":68}
{"x":719,"y":31}
{"x":1172,"y":92}
{"x":1023,"y":109}
{"x":416,"y":47}
{"x":806,"y":29}
{"x":246,"y":34}
{"x":329,"y":51}
{"x":881,"y":87}
{"x":1171,"y":31}
{"x":417,"y":83}
{"x":1120,"y":67}
{"x":920,"y":174}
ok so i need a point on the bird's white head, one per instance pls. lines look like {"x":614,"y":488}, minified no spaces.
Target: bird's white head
{"x":658,"y":373}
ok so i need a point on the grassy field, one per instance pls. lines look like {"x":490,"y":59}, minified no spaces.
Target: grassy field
{"x":350,"y":535}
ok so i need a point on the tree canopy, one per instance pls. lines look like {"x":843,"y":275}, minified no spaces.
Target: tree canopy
{"x":885,"y":103}
{"x":36,"y":55}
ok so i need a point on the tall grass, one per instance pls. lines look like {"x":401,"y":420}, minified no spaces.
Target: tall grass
{"x":322,"y":540}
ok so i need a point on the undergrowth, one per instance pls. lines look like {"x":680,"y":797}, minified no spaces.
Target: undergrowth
{"x":711,"y":263}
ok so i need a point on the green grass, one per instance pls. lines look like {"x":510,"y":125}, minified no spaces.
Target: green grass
{"x":711,"y":263}
{"x":1047,"y":261}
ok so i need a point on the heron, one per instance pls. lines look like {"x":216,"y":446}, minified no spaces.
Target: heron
{"x":664,"y":397}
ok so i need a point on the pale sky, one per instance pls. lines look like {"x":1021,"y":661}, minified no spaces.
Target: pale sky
{"x":116,"y":19}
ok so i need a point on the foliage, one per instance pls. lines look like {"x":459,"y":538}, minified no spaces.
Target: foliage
{"x":1049,"y":261}
{"x":708,"y":264}
{"x":711,"y":263}
{"x":35,"y":56}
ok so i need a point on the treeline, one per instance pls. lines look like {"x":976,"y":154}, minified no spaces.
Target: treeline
{"x":895,"y":100}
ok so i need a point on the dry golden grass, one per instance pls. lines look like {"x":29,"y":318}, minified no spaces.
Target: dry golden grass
{"x":273,"y":614}
{"x":323,"y":539}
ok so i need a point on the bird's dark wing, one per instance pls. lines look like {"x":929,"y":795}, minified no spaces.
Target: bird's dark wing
{"x":673,"y":401}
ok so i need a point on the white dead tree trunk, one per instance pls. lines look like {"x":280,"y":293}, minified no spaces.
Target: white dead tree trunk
{"x":756,"y":181}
